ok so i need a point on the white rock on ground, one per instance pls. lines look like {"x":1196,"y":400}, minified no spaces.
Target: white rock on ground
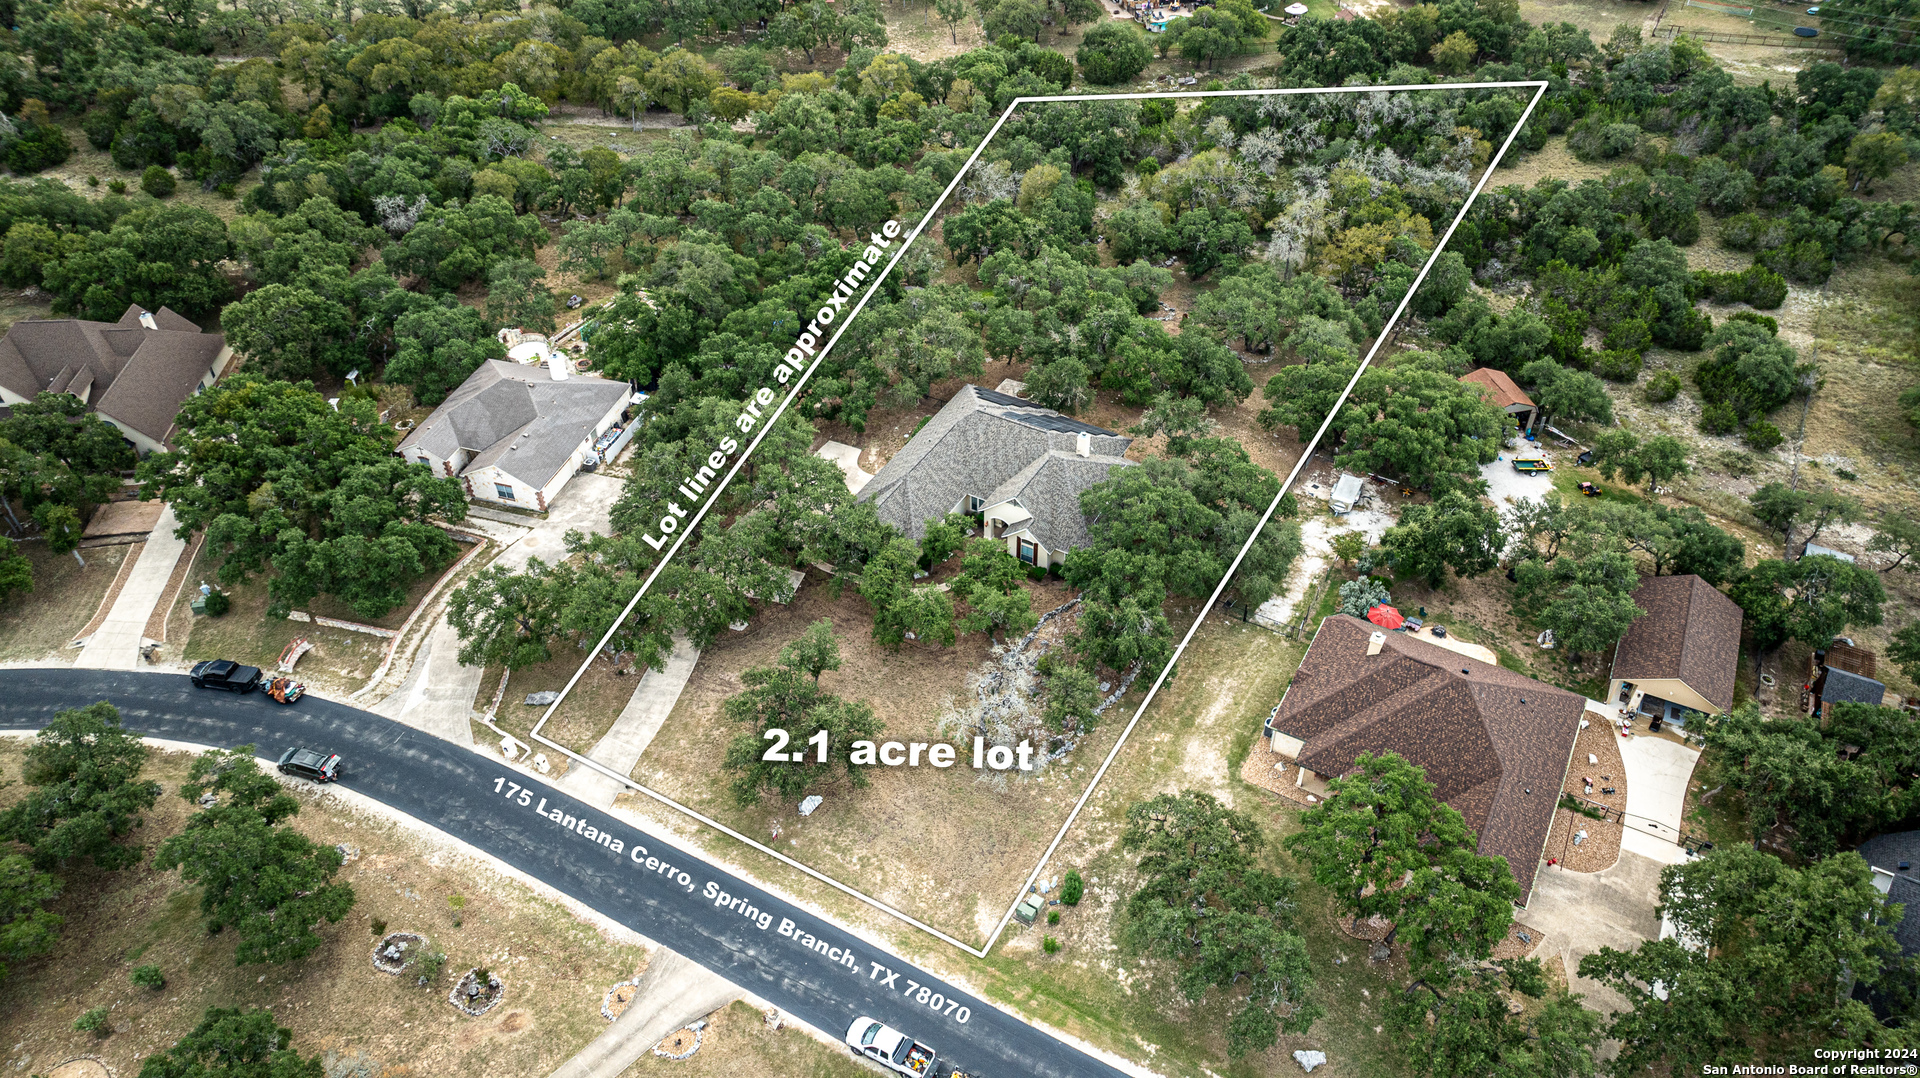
{"x":1316,"y":540}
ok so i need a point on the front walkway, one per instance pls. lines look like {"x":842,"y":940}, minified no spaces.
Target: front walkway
{"x":646,"y":711}
{"x":115,"y":645}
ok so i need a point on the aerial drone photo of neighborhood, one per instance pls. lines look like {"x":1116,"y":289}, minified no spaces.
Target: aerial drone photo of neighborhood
{"x":970,"y":539}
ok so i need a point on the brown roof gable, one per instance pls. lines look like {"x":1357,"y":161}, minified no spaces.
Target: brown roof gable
{"x":1499,"y":388}
{"x":1690,"y":632}
{"x":135,"y":375}
{"x":1494,"y":744}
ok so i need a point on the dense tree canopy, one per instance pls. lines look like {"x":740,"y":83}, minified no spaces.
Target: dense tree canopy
{"x":1205,"y":903}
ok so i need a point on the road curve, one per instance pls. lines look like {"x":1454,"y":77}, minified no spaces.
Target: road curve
{"x":804,"y":965}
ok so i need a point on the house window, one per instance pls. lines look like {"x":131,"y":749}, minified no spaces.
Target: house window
{"x":974,"y":505}
{"x":428,"y":461}
{"x":503,"y":492}
{"x":1028,"y":551}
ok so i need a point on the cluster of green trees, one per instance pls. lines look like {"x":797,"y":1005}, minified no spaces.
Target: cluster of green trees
{"x":1387,"y":847}
{"x":280,"y":479}
{"x":86,"y":797}
{"x":1206,"y":903}
{"x":787,"y":696}
{"x":58,"y":461}
{"x":1768,"y":963}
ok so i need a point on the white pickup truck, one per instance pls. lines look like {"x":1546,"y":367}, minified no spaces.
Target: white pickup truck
{"x":889,"y":1047}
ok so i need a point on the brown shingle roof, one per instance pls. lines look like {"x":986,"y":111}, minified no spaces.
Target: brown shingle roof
{"x":138,"y":376}
{"x":1690,"y":632}
{"x":1485,"y":736}
{"x":1500,"y":389}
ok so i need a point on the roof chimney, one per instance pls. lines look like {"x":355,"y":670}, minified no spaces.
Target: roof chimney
{"x":146,"y":319}
{"x":1083,"y":444}
{"x":557,"y":365}
{"x":1375,"y":642}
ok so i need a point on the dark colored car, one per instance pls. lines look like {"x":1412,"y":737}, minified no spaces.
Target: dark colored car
{"x":225,"y":674}
{"x":308,"y":764}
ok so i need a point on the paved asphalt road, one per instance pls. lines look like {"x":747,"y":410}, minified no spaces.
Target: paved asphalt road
{"x":805,"y":966}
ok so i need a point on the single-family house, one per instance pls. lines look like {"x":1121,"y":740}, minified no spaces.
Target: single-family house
{"x":1494,"y":743}
{"x":1504,"y":394}
{"x":134,"y":373}
{"x":1018,"y":466}
{"x":515,"y":433}
{"x":1680,"y":656}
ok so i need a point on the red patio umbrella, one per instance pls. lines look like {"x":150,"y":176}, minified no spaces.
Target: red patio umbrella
{"x":1386,"y":617}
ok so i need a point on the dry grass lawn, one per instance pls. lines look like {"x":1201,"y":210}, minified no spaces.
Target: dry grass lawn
{"x":555,"y":967}
{"x":897,"y":839}
{"x":737,"y":1041}
{"x":37,"y":624}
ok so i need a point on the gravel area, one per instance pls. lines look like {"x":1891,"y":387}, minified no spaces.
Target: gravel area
{"x":1601,"y":848}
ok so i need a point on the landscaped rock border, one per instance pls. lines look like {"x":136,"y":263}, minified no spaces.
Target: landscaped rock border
{"x":616,"y":996}
{"x":668,"y":1048}
{"x":411,"y":945}
{"x":476,"y":1005}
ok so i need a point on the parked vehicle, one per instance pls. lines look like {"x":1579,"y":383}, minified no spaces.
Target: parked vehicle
{"x":889,"y":1047}
{"x":311,"y":764}
{"x":1590,"y":490}
{"x":225,"y":674}
{"x":285,"y":690}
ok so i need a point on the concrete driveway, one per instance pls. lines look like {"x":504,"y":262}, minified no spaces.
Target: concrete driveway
{"x":1582,"y":912}
{"x":582,"y":506}
{"x":1657,"y":774}
{"x":438,"y":693}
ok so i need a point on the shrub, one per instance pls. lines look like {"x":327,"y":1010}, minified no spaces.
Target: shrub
{"x":1719,"y":418}
{"x":1050,"y":945}
{"x":148,"y":976}
{"x":157,"y":181}
{"x":1806,"y":261}
{"x":1071,"y":888}
{"x":1756,"y":286}
{"x":226,"y":190}
{"x":118,"y":187}
{"x":1618,"y":365}
{"x":379,"y":927}
{"x":1148,"y":166}
{"x":1662,"y":387}
{"x":1769,"y":324}
{"x":1359,"y":596}
{"x":1036,"y":573}
{"x":426,"y":968}
{"x":93,"y":181}
{"x":100,"y":128}
{"x":1762,"y":435}
{"x":94,"y":1021}
{"x":39,"y":149}
{"x":1053,"y":917}
{"x":218,"y":603}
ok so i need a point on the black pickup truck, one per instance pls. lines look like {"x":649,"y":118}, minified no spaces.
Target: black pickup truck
{"x":225,"y":674}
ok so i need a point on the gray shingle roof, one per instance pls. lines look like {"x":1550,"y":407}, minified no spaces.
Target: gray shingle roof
{"x":1846,"y":687}
{"x":518,"y":418}
{"x":994,"y":447}
{"x":1690,"y":632}
{"x":1494,"y":743}
{"x":138,"y":376}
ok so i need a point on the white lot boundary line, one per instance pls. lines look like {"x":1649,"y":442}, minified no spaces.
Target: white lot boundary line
{"x":1540,"y":88}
